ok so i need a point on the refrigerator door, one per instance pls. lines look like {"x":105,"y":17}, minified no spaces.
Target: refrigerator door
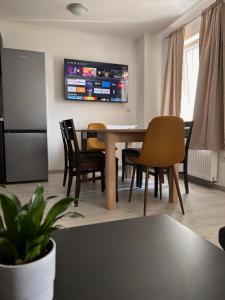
{"x":24,"y":95}
{"x":26,"y":157}
{"x":2,"y":156}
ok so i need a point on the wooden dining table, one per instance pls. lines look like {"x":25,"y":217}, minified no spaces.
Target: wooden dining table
{"x":111,"y":137}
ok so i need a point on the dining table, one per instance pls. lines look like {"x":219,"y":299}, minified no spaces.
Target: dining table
{"x":111,"y":137}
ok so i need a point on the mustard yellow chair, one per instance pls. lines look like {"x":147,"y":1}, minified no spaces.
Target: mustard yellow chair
{"x":93,"y":143}
{"x":163,"y":147}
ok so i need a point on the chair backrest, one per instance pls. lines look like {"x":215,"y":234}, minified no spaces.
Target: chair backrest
{"x":188,"y":126}
{"x":63,"y":137}
{"x":93,"y":142}
{"x":71,"y":139}
{"x":163,"y":144}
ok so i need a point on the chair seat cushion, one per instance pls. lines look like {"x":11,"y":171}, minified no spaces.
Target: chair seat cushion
{"x":91,"y":156}
{"x":133,"y":160}
{"x":131,"y":152}
{"x":88,"y":157}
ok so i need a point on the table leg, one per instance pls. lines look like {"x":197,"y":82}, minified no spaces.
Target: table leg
{"x":110,"y":165}
{"x":83,"y":141}
{"x":173,"y":196}
{"x":83,"y":137}
{"x":128,"y":168}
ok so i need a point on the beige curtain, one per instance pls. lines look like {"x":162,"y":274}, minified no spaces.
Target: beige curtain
{"x":173,"y":74}
{"x":1,"y":41}
{"x":208,"y":130}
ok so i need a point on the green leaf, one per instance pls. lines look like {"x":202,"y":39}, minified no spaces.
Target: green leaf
{"x":55,"y":211}
{"x":70,"y":214}
{"x":53,"y":228}
{"x":33,"y":254}
{"x":1,"y":223}
{"x":61,"y":216}
{"x":15,"y":199}
{"x":37,"y":213}
{"x":26,"y":226}
{"x":24,"y":231}
{"x":2,"y":186}
{"x":25,"y":206}
{"x":38,"y":241}
{"x":9,"y":209}
{"x":75,"y":215}
{"x":8,"y":252}
{"x":51,"y":197}
{"x":37,"y":205}
{"x":37,"y":197}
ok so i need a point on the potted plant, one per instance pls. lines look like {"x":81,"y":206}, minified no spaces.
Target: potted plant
{"x":27,"y":252}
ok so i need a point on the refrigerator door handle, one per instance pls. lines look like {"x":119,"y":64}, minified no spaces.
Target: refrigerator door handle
{"x":25,"y":131}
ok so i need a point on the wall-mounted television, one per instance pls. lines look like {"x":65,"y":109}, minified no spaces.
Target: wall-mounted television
{"x":95,"y":81}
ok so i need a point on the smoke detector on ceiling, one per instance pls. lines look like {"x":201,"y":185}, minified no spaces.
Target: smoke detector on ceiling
{"x":77,"y":9}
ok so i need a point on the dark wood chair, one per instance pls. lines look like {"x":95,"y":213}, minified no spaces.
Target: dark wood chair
{"x":66,"y":154}
{"x":188,"y":126}
{"x":126,"y":154}
{"x":81,"y":162}
{"x":221,"y":237}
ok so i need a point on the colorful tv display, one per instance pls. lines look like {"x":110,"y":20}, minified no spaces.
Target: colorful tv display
{"x":95,"y":81}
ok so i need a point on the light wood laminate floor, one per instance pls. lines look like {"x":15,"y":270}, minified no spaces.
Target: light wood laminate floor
{"x":204,"y":207}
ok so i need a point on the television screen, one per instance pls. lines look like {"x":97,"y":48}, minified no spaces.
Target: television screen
{"x":95,"y":81}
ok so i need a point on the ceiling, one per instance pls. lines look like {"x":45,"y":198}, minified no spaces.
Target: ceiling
{"x":125,"y":18}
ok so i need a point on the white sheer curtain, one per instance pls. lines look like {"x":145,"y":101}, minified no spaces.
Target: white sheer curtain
{"x":189,"y":82}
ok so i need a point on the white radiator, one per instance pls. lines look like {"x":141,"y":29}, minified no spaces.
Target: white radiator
{"x":203,"y":164}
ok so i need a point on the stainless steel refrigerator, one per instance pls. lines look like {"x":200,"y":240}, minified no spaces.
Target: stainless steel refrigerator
{"x":24,"y":131}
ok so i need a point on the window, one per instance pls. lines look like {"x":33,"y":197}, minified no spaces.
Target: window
{"x":190,"y":77}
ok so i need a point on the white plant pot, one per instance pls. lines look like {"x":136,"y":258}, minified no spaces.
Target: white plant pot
{"x":32,"y":281}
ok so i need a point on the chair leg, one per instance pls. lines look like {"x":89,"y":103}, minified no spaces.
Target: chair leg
{"x":117,"y":172}
{"x":186,"y":181}
{"x":65,"y":168}
{"x":160,"y":188}
{"x":161,"y":181}
{"x":146,"y":191}
{"x":156,"y":182}
{"x":103,"y":180}
{"x":65,"y":175}
{"x":69,"y":182}
{"x":77,"y":188}
{"x":162,"y":176}
{"x":132,"y":183}
{"x":178,"y":189}
{"x":168,"y":175}
{"x":123,"y":167}
{"x":93,"y":174}
{"x":140,"y":177}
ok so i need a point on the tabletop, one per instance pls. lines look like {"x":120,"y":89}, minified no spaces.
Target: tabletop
{"x":112,"y":130}
{"x":148,"y":258}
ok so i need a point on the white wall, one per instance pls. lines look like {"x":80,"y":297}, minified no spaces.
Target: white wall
{"x":140,"y":80}
{"x":59,"y":44}
{"x":149,"y":77}
{"x":153,"y":76}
